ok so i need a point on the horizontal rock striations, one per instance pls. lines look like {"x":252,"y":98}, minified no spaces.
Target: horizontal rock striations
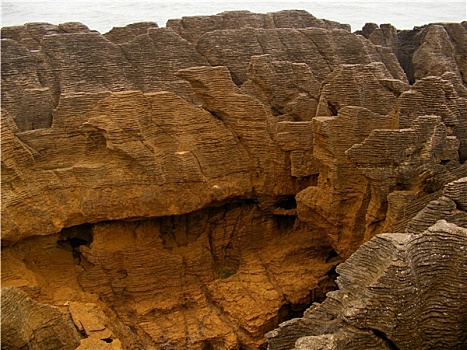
{"x":192,"y":28}
{"x":193,"y":186}
{"x":398,"y":291}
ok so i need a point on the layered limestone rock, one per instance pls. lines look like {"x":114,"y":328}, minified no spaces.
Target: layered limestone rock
{"x":323,"y":50}
{"x":193,"y":186}
{"x":398,"y":291}
{"x":61,"y":87}
{"x":431,"y":50}
{"x":192,"y":28}
{"x":121,"y":35}
{"x":214,"y":276}
{"x":290,"y":89}
{"x":26,"y":323}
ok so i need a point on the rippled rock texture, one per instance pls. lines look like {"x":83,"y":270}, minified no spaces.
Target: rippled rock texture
{"x":398,"y":291}
{"x":195,"y":185}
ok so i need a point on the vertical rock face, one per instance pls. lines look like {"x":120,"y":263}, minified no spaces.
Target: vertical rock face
{"x":194,"y":186}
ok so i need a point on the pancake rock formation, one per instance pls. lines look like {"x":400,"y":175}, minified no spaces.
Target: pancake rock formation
{"x":195,"y":186}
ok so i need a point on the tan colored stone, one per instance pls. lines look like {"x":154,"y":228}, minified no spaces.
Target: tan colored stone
{"x":339,"y":203}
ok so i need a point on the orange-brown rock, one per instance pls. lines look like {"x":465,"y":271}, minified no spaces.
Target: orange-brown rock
{"x":154,"y":146}
{"x":194,"y":186}
{"x":340,"y":202}
{"x":393,"y":290}
{"x":203,"y":278}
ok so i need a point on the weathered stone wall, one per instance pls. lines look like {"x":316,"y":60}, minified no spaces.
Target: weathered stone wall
{"x":195,"y":185}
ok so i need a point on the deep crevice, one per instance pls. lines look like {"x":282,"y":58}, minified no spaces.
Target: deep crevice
{"x":408,"y":43}
{"x":332,"y":256}
{"x":333,"y":109}
{"x":316,"y":295}
{"x":383,"y":336}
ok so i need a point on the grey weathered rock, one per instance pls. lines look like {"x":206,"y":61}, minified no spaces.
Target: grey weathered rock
{"x":31,"y":325}
{"x":443,"y":96}
{"x":121,"y":35}
{"x":192,"y":28}
{"x":323,"y":50}
{"x":370,"y":86}
{"x":430,"y":50}
{"x":450,"y":206}
{"x":405,"y":291}
{"x":290,"y":89}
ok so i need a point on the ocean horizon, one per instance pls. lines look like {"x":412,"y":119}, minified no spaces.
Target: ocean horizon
{"x":104,"y":15}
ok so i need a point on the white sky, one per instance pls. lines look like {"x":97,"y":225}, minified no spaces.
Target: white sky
{"x":102,"y":15}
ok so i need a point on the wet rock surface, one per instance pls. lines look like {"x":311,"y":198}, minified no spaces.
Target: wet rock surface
{"x":194,"y":186}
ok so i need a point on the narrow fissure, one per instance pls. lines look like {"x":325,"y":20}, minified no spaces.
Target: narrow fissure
{"x":383,"y":336}
{"x":317,"y":295}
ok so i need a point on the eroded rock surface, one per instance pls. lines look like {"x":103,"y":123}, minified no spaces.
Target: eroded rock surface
{"x":28,"y":324}
{"x":398,"y":291}
{"x":193,"y":186}
{"x":192,"y":28}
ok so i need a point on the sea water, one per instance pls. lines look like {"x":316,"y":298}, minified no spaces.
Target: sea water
{"x":102,"y":15}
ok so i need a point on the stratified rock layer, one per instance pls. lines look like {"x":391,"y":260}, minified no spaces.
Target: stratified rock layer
{"x":398,"y":291}
{"x":193,"y":186}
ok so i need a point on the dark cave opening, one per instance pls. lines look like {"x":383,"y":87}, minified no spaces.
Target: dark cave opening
{"x":75,"y":242}
{"x":287,"y":203}
{"x":285,"y":213}
{"x":207,"y":346}
{"x":290,"y":311}
{"x":332,"y":256}
{"x":72,"y":238}
{"x":306,"y":181}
